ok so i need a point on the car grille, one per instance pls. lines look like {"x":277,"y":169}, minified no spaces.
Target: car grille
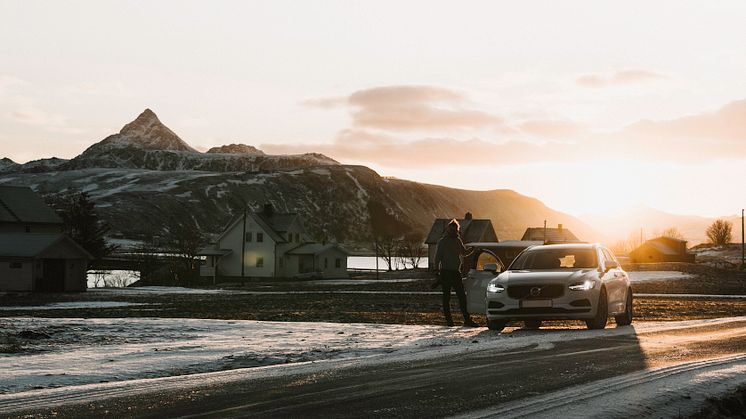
{"x":540,"y":292}
{"x":559,"y":311}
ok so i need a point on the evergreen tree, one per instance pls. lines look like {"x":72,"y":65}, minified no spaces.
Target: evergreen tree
{"x":83,"y":225}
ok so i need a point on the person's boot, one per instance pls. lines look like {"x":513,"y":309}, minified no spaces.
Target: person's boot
{"x":468,"y":322}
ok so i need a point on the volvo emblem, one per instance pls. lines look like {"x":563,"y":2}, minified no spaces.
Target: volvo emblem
{"x":535,"y":291}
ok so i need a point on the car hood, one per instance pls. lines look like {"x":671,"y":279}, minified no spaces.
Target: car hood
{"x":555,"y":276}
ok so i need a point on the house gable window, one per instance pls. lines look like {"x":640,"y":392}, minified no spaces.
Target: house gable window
{"x":259,"y":237}
{"x":15,"y":265}
{"x":248,"y":236}
{"x":259,"y":261}
{"x":326,"y":263}
{"x":337,"y":263}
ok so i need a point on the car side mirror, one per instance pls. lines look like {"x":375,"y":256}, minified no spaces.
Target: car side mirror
{"x":610,"y":264}
{"x":492,"y":267}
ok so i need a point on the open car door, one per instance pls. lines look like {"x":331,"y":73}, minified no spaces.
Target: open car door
{"x":486,"y":267}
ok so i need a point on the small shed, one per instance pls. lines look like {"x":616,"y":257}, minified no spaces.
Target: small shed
{"x":472,"y":230}
{"x":42,"y":263}
{"x":661,"y":249}
{"x":327,"y":260}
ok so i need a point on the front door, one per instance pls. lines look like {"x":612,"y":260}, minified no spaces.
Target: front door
{"x":53,"y":279}
{"x":477,"y":279}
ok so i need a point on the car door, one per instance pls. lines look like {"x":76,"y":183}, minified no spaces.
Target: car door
{"x":477,"y":279}
{"x":615,"y":283}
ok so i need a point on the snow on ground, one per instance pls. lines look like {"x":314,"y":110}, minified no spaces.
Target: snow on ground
{"x":90,"y":351}
{"x":643,"y":276}
{"x":75,"y":304}
{"x":653,"y":393}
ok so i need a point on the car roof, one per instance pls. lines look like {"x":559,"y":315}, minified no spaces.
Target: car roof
{"x":565,"y":246}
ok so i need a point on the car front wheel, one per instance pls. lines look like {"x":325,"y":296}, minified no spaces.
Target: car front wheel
{"x":602,"y":312}
{"x":532,"y":324}
{"x":625,"y":319}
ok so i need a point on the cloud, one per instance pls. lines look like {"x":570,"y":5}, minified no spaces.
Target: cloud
{"x":726,"y":124}
{"x":552,"y":128}
{"x":410,"y":108}
{"x":618,"y":78}
{"x":391,"y":151}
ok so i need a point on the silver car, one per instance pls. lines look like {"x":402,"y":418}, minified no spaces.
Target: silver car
{"x":548,"y":282}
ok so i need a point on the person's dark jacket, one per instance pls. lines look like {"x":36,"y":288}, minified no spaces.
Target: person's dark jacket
{"x":449,"y":252}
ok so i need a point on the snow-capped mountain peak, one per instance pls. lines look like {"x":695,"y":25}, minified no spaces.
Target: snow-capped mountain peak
{"x":148,"y":132}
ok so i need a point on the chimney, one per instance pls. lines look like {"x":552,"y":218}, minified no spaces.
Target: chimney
{"x":559,"y":227}
{"x":268,"y":210}
{"x":467,"y":216}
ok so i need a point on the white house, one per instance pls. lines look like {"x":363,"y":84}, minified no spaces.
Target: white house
{"x":269,"y":244}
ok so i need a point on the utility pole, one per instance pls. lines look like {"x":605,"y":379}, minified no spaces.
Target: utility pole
{"x":243,"y":245}
{"x":743,"y":263}
{"x":545,"y":231}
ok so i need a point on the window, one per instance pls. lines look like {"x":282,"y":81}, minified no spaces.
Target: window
{"x":259,"y":237}
{"x":28,"y":229}
{"x":282,"y":260}
{"x":297,"y":237}
{"x":15,"y":265}
{"x":248,"y":236}
{"x":326,"y":263}
{"x":337,"y":263}
{"x":259,"y":260}
{"x":485,"y":258}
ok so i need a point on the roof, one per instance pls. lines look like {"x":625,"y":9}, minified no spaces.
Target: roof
{"x":314,"y":249}
{"x":553,"y":235}
{"x":472,"y":230}
{"x":508,"y":244}
{"x":30,"y":245}
{"x":210,"y":251}
{"x":566,"y":246}
{"x":273,"y":224}
{"x":20,"y":204}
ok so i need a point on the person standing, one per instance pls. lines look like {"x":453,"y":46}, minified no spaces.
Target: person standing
{"x":448,"y":262}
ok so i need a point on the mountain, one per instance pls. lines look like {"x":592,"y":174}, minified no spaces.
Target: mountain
{"x":146,"y":143}
{"x":653,"y":222}
{"x":337,"y":202}
{"x":8,"y":165}
{"x":236,"y":149}
{"x":145,"y":180}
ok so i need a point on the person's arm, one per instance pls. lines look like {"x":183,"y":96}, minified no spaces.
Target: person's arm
{"x":438,"y":257}
{"x":465,"y":251}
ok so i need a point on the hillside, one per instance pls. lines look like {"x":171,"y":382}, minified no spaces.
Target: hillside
{"x":145,"y":179}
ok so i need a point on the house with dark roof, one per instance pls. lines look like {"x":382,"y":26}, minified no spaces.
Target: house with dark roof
{"x":34,"y":254}
{"x":23,"y":211}
{"x":42,"y":263}
{"x":269,"y":244}
{"x":661,"y":249}
{"x":472,"y":230}
{"x":550,"y":235}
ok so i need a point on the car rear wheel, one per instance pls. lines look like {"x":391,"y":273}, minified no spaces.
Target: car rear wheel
{"x":496,"y":325}
{"x":625,"y":319}
{"x":532,"y":324}
{"x":602,"y":312}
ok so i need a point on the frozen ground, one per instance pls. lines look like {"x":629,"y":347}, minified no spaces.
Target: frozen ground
{"x":70,"y":352}
{"x":73,"y":305}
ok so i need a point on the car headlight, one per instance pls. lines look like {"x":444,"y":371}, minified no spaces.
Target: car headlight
{"x":494,"y":287}
{"x":583,"y":286}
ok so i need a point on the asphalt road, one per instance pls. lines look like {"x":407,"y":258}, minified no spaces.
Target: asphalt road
{"x":488,"y":380}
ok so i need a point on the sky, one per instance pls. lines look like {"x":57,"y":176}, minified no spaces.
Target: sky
{"x":592,"y":107}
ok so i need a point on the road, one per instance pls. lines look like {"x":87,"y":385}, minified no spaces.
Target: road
{"x":617,"y":374}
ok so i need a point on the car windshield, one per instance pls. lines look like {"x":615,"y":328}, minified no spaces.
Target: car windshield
{"x":557,"y":258}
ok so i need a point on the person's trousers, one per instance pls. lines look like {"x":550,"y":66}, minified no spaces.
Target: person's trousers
{"x":452,"y":280}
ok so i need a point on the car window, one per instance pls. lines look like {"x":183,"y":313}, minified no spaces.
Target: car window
{"x":556,"y":258}
{"x":485,"y":258}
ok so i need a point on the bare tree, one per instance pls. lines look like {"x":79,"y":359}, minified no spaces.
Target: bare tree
{"x":412,"y":249}
{"x":185,"y":240}
{"x":387,"y":248}
{"x":719,"y":232}
{"x":674,"y":233}
{"x":632,"y":242}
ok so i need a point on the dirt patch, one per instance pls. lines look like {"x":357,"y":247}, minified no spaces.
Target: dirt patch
{"x":732,"y":405}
